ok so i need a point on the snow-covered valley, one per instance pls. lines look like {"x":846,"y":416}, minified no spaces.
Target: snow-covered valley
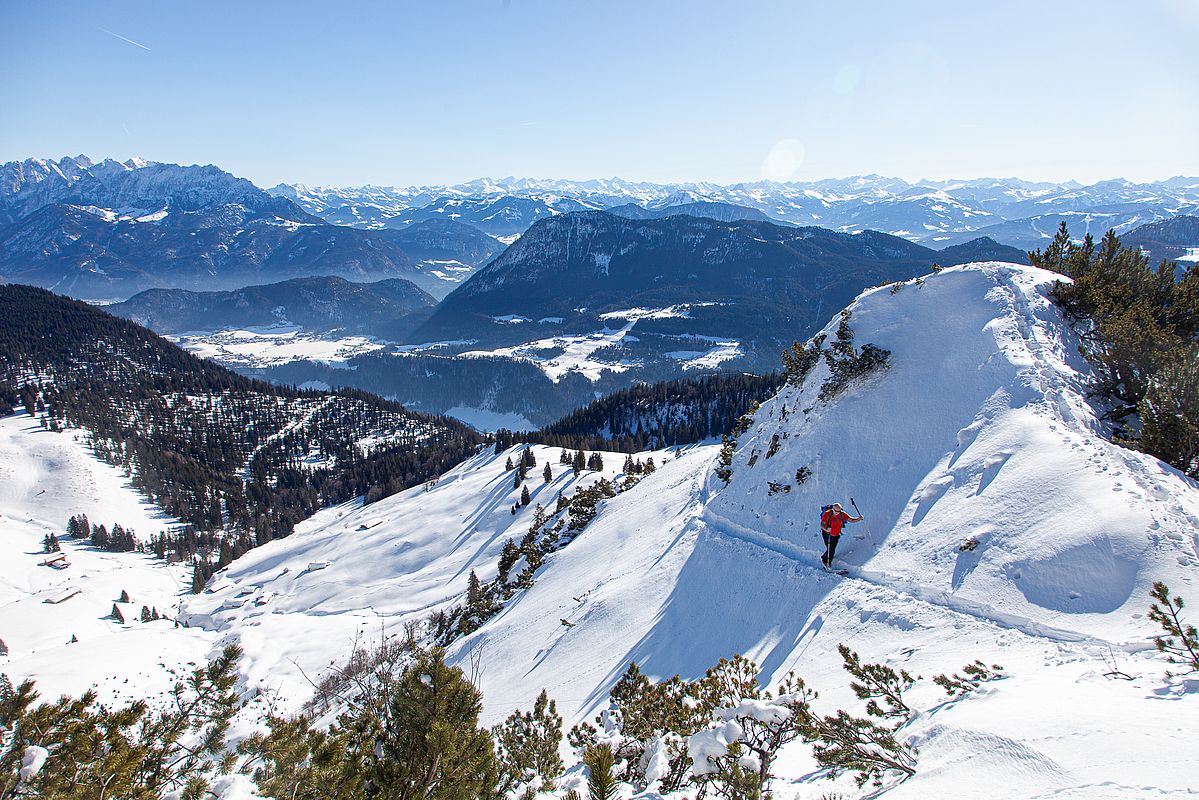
{"x":1001,"y":525}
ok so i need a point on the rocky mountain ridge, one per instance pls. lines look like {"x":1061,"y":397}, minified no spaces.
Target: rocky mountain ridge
{"x":1017,"y":212}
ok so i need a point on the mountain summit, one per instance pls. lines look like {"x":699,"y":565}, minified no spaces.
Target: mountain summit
{"x":688,"y":280}
{"x":108,"y":230}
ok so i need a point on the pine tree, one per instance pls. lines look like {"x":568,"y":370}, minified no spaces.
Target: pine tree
{"x":528,"y":459}
{"x":1141,"y":326}
{"x":799,"y":360}
{"x":599,"y":761}
{"x":527,"y":745}
{"x":124,"y":598}
{"x":547,"y":473}
{"x":474,"y":593}
{"x":860,"y":746}
{"x":291,"y":760}
{"x":226,"y":554}
{"x":845,"y":363}
{"x":186,"y":739}
{"x":145,"y":617}
{"x":3,"y":648}
{"x":650,"y":466}
{"x":428,"y":744}
{"x":724,"y":461}
{"x":508,"y":464}
{"x":578,"y":463}
{"x":1179,"y":641}
{"x":516,"y":479}
{"x":198,"y":578}
{"x":1169,"y":412}
{"x":117,"y":615}
{"x":973,"y":675}
{"x":1053,"y":258}
{"x":525,"y":497}
{"x":878,"y":682}
{"x":509,"y":555}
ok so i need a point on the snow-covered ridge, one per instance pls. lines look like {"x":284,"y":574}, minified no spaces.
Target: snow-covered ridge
{"x":1002,"y":526}
{"x":977,"y":435}
{"x":135,"y":189}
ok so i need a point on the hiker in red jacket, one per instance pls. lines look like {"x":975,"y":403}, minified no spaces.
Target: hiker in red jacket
{"x":830,"y":528}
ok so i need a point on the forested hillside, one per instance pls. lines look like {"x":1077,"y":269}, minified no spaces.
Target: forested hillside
{"x":218,"y":450}
{"x":664,"y":414}
{"x":387,"y":308}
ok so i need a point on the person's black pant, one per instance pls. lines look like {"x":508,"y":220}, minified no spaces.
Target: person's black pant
{"x":830,"y":548}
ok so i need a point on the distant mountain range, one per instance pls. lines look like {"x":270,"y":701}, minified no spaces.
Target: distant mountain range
{"x":937,"y":213}
{"x":550,"y":291}
{"x":108,"y":230}
{"x":388,"y":308}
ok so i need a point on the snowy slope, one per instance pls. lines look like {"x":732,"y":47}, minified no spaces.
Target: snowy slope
{"x":352,"y":574}
{"x":45,"y":478}
{"x":977,"y":429}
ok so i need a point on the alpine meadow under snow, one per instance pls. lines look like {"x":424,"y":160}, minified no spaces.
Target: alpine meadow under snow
{"x":1001,"y":524}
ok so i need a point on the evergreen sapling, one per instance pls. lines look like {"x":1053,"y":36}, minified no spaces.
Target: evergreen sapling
{"x":1178,"y":640}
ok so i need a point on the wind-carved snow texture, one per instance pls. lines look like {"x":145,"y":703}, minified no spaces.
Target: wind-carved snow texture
{"x":1000,"y":525}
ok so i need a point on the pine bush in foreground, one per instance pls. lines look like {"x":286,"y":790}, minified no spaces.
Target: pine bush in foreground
{"x":1178,"y":640}
{"x":599,"y":761}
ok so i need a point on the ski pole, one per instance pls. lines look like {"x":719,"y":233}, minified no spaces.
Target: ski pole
{"x":858,"y":511}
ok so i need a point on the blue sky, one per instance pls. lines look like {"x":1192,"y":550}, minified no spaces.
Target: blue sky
{"x":409,"y":93}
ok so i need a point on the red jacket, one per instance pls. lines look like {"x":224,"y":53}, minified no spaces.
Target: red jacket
{"x":832,"y":521}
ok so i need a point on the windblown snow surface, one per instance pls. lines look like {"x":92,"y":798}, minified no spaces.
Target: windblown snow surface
{"x":978,"y":430}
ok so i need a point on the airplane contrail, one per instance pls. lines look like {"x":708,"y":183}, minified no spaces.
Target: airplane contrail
{"x":124,"y":39}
